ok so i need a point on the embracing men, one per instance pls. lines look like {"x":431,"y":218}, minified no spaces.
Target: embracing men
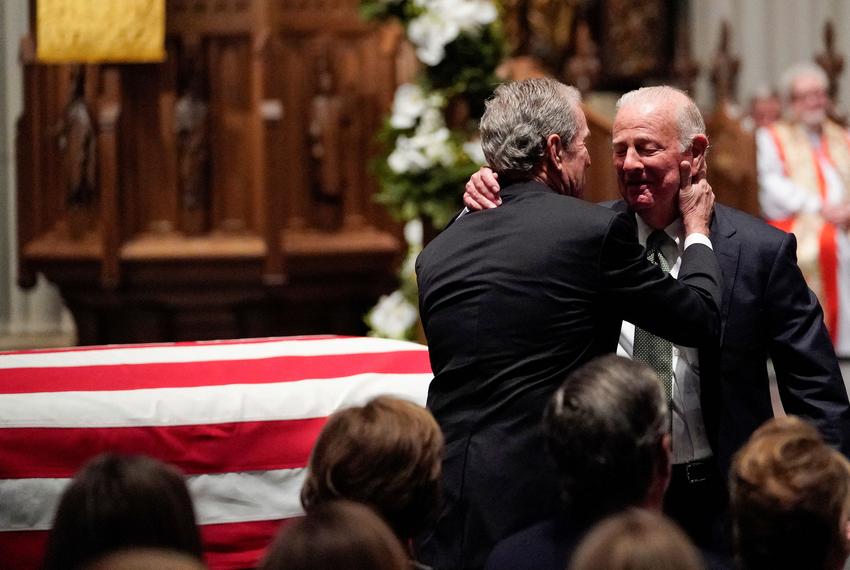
{"x":514,"y":298}
{"x":720,"y":391}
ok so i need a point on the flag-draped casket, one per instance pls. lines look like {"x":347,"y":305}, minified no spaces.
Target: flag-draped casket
{"x":239,"y":418}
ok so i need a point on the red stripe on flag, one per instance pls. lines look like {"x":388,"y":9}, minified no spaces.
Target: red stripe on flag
{"x":210,"y":448}
{"x":226,"y":546}
{"x":239,"y":545}
{"x":209,"y":373}
{"x":22,"y":550}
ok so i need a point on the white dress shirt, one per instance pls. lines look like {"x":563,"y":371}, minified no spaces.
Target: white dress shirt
{"x":690,"y":441}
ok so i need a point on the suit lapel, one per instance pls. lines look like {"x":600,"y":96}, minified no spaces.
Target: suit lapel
{"x":728,"y":252}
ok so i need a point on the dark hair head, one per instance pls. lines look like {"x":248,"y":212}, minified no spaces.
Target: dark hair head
{"x":335,"y":535}
{"x":604,"y":428}
{"x":386,"y":454}
{"x":790,"y":499}
{"x":636,"y":540}
{"x":120,"y":501}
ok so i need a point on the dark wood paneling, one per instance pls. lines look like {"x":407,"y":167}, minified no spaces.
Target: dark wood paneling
{"x":218,"y":212}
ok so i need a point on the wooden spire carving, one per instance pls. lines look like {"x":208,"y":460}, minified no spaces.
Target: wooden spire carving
{"x":833,"y":65}
{"x":831,"y":62}
{"x":724,"y":71}
{"x":685,"y":69}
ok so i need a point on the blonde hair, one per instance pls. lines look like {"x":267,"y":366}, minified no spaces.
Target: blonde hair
{"x":789,"y":494}
{"x":636,"y":540}
{"x":386,"y":454}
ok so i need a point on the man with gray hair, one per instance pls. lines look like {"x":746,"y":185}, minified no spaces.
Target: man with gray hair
{"x":607,"y":429}
{"x":804,"y":188}
{"x":513,"y":299}
{"x":720,"y":391}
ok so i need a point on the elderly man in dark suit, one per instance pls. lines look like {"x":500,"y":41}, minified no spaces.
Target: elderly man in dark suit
{"x":513,"y":299}
{"x":720,"y":391}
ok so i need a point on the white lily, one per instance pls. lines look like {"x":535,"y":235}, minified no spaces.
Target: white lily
{"x":393,"y":316}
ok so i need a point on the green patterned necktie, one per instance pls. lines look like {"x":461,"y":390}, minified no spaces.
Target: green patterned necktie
{"x":648,"y":348}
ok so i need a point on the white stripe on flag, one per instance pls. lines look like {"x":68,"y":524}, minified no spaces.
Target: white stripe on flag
{"x":30,"y":504}
{"x":205,"y":352}
{"x":248,"y":496}
{"x":205,"y":404}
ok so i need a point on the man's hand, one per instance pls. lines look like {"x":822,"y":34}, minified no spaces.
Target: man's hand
{"x":696,"y":200}
{"x":837,"y":214}
{"x":482,"y":190}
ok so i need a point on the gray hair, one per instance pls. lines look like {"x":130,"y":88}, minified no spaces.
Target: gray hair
{"x":520,"y":116}
{"x":689,"y":120}
{"x":604,"y":427}
{"x":798,"y":70}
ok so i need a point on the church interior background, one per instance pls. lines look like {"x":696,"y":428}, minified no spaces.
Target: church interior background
{"x":229,"y":191}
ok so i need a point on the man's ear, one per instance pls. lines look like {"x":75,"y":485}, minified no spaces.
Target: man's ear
{"x":554,"y":150}
{"x":699,"y":149}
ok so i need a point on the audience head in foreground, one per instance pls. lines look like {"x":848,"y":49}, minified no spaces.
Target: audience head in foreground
{"x":790,"y":499}
{"x":535,"y":130}
{"x":386,"y":454}
{"x":337,"y":535}
{"x":607,"y":429}
{"x":121,"y":501}
{"x":636,"y":540}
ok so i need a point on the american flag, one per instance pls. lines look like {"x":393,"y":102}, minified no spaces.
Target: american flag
{"x":238,"y":417}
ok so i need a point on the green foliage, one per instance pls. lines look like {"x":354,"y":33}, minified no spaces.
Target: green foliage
{"x":430,"y":194}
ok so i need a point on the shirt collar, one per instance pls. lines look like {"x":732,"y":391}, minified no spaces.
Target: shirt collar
{"x":676,"y":231}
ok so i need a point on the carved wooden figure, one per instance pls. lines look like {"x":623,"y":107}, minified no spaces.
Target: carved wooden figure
{"x":191,"y":126}
{"x":77,"y":144}
{"x":328,"y":132}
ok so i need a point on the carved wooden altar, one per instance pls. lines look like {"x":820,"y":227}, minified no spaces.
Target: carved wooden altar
{"x":222,"y":193}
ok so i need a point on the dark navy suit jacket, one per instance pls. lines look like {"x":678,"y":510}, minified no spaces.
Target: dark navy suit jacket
{"x":767,"y":311}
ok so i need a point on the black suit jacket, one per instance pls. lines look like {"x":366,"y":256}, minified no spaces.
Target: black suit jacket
{"x":551,"y":544}
{"x":767,"y":311}
{"x":512,"y":299}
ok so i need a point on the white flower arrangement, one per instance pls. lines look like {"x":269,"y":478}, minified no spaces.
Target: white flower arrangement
{"x":440,"y":23}
{"x":393,"y":316}
{"x":427,"y":161}
{"x":430,"y":143}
